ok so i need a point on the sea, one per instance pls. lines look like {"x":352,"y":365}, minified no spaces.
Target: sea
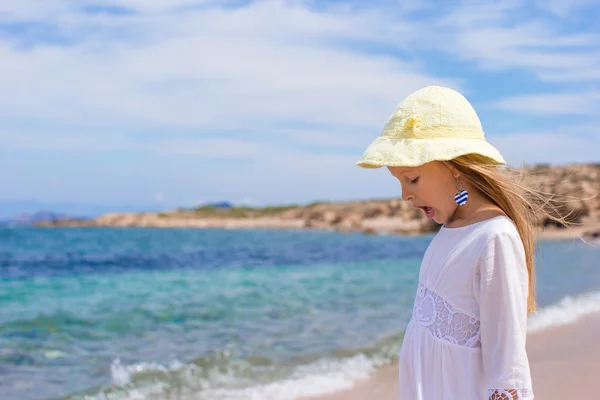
{"x":216,"y":314}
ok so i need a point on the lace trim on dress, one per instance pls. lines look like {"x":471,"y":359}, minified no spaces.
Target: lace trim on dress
{"x":510,"y":394}
{"x":445,"y":323}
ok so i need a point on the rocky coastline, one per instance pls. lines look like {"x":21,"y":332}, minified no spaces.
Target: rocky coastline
{"x":581,"y":183}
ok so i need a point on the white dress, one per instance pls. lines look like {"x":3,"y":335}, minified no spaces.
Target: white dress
{"x":466,"y":338}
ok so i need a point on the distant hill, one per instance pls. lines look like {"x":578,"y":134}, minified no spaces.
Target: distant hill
{"x":35,"y":218}
{"x":34,"y":213}
{"x":9,"y":209}
{"x":385,"y":216}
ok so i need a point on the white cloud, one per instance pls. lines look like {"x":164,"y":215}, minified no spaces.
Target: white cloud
{"x":28,"y":10}
{"x":564,"y":8}
{"x":208,"y":148}
{"x":211,"y":68}
{"x":157,"y":6}
{"x":252,"y":67}
{"x":585,"y":103}
{"x":270,"y":60}
{"x":289,"y":78}
{"x":34,"y":9}
{"x":491,"y":36}
{"x":574,"y":144}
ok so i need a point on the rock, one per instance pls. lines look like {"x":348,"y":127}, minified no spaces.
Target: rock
{"x":369,"y":231}
{"x":580,"y":183}
{"x":593,"y":233}
{"x":351,"y":223}
{"x":331,"y":217}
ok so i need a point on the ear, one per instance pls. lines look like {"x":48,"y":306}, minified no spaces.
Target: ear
{"x":455,"y":173}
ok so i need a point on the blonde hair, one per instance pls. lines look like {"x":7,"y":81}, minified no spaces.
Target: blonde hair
{"x":526,"y":207}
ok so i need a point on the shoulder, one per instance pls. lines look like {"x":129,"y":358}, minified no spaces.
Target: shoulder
{"x":493,"y":233}
{"x":498,"y":228}
{"x":478,"y":234}
{"x":499,"y":239}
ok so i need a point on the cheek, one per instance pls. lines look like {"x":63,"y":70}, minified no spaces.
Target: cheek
{"x":432,"y":195}
{"x":447,"y":204}
{"x":438,"y":198}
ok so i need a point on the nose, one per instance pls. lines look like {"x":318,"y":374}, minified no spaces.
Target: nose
{"x":406,"y":195}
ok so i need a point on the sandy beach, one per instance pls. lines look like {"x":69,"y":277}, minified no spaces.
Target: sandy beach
{"x":565,"y":364}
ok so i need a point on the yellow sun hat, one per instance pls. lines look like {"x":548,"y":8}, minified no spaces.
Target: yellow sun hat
{"x":432,"y":124}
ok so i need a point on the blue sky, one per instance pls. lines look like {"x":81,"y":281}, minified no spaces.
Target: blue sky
{"x":153,"y":104}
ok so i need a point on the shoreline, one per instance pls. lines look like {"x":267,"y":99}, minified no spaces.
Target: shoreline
{"x":564,"y":362}
{"x":580,"y":183}
{"x":375,"y":227}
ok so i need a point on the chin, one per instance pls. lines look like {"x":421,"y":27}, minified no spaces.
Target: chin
{"x":439,"y":220}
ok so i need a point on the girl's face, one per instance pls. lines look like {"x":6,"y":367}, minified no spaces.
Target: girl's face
{"x":431,"y":187}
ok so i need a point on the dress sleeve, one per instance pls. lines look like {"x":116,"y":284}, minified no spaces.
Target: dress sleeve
{"x":501,"y":287}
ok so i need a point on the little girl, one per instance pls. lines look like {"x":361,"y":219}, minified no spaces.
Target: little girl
{"x":466,"y":339}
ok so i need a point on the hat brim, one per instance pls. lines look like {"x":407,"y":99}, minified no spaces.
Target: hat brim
{"x":400,"y":152}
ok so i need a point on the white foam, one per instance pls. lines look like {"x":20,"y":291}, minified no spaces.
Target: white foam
{"x":320,"y":377}
{"x":120,"y":375}
{"x":566,"y":311}
{"x":121,"y":378}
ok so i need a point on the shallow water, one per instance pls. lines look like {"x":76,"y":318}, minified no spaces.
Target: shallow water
{"x":221,"y":314}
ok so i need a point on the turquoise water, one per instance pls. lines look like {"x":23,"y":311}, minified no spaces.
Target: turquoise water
{"x":216,"y":314}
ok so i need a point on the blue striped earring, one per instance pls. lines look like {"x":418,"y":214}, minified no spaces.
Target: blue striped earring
{"x":461,"y":196}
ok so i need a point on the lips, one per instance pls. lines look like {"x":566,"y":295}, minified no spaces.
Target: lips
{"x":429,"y":211}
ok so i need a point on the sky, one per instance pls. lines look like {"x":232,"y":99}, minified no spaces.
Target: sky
{"x":156,"y":104}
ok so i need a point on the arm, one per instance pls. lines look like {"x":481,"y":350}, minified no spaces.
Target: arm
{"x":501,"y":288}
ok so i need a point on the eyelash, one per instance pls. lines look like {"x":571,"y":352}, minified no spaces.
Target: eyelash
{"x":414,"y":181}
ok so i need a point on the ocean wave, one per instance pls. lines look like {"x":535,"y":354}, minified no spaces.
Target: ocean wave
{"x":223,"y":377}
{"x":323,"y":376}
{"x":180,"y":381}
{"x":567,"y":311}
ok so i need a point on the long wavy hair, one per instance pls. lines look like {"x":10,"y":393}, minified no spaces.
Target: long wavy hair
{"x":526,"y":207}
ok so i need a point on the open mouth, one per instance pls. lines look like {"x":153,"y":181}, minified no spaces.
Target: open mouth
{"x":429,"y":211}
